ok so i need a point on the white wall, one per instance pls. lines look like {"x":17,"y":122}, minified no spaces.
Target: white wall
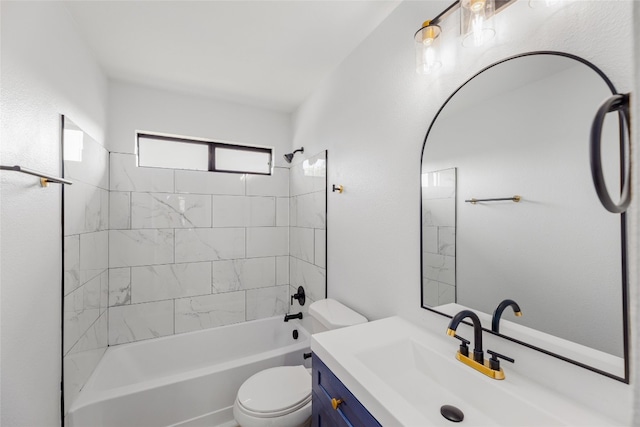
{"x":137,"y":108}
{"x":46,"y":71}
{"x":372,"y":115}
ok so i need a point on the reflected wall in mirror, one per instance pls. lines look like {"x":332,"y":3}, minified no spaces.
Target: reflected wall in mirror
{"x":521,"y":127}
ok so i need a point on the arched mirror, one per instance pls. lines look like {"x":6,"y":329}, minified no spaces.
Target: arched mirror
{"x":509,"y":210}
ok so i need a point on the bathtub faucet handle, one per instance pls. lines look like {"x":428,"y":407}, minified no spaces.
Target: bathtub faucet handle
{"x":288,"y":317}
{"x":300,"y":296}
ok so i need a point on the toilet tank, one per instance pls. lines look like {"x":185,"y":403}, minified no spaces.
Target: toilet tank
{"x":329,"y":314}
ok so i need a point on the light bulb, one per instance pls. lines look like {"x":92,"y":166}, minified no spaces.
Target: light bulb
{"x":474,"y":22}
{"x":426,"y":42}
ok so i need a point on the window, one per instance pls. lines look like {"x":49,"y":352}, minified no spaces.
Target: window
{"x":181,"y":153}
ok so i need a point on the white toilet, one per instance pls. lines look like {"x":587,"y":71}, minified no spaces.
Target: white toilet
{"x":281,"y":396}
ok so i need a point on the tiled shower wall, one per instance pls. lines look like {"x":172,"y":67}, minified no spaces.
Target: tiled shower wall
{"x":438,"y":237}
{"x":86,"y":210}
{"x":308,"y":229}
{"x":190,"y":250}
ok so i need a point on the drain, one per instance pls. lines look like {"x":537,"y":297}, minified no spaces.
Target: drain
{"x":452,"y":413}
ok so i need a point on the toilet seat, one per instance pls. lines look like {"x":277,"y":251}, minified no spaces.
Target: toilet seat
{"x":275,"y":392}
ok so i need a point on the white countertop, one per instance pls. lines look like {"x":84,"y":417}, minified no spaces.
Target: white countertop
{"x":410,"y":401}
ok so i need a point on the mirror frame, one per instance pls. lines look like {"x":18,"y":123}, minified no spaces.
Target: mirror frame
{"x":623,"y":228}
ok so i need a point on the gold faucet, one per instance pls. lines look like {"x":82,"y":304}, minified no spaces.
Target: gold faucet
{"x":490,"y":368}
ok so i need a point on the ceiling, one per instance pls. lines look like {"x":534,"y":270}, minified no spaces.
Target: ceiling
{"x":265,"y":53}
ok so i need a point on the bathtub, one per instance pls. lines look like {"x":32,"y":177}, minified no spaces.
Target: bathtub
{"x":184,"y":380}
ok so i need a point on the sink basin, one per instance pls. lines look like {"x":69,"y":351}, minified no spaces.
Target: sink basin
{"x":429,"y":380}
{"x":404,"y":374}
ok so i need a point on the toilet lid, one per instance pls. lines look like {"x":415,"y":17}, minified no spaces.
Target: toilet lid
{"x":276,"y":389}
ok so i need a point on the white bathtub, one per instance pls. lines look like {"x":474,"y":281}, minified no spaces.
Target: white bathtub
{"x":188,"y":379}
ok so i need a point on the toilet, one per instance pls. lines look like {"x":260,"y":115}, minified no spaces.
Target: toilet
{"x":281,"y":396}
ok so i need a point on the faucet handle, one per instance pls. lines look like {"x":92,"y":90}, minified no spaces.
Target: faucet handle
{"x":464,"y":345}
{"x":494,"y":362}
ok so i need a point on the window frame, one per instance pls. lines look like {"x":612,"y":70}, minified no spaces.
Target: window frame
{"x":212,"y":145}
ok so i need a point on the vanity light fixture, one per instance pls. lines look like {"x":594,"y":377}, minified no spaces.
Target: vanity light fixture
{"x":476,"y":27}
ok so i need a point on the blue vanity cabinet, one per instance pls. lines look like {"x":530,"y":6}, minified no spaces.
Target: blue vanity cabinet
{"x":326,"y":386}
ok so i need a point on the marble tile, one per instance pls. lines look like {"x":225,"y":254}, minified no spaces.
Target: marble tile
{"x":209,"y":311}
{"x":127,"y":176}
{"x":267,"y":302}
{"x":85,"y":208}
{"x":94,"y":167}
{"x":439,"y":212}
{"x":293,"y":212}
{"x":301,"y":243}
{"x":320,"y":243}
{"x":439,"y":184}
{"x":81,"y":309}
{"x":438,"y":267}
{"x":229,"y":211}
{"x":446,"y":294}
{"x":71,"y":263}
{"x":135,"y":322}
{"x":429,"y":292}
{"x":209,"y":244}
{"x":129,"y":248}
{"x":282,"y":212}
{"x":78,"y":367}
{"x":163,"y":210}
{"x":119,"y":286}
{"x":94,"y":254}
{"x":312,"y":278}
{"x":311,"y":210}
{"x":242,"y":211}
{"x":243,"y":274}
{"x":309,"y":176}
{"x":161,"y":282}
{"x":447,"y":241}
{"x":119,"y":210}
{"x":267,"y":241}
{"x":82,"y":359}
{"x":430,"y":239}
{"x":105,"y":209}
{"x":95,"y":211}
{"x":276,"y":184}
{"x":203,"y":182}
{"x":282,"y":270}
{"x":95,"y":336}
{"x":261,"y":212}
{"x":74,"y":208}
{"x":104,"y":291}
{"x":299,"y":184}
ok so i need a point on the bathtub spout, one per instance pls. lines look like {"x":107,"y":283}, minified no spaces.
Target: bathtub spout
{"x":288,"y":317}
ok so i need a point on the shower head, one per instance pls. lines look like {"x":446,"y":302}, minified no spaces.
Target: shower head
{"x":289,"y":157}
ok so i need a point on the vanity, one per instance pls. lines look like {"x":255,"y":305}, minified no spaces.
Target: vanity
{"x":401,"y":375}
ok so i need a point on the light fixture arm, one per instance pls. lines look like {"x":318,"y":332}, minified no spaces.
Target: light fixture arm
{"x":445,"y":13}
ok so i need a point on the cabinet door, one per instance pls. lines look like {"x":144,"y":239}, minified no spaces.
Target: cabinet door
{"x":326,"y":386}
